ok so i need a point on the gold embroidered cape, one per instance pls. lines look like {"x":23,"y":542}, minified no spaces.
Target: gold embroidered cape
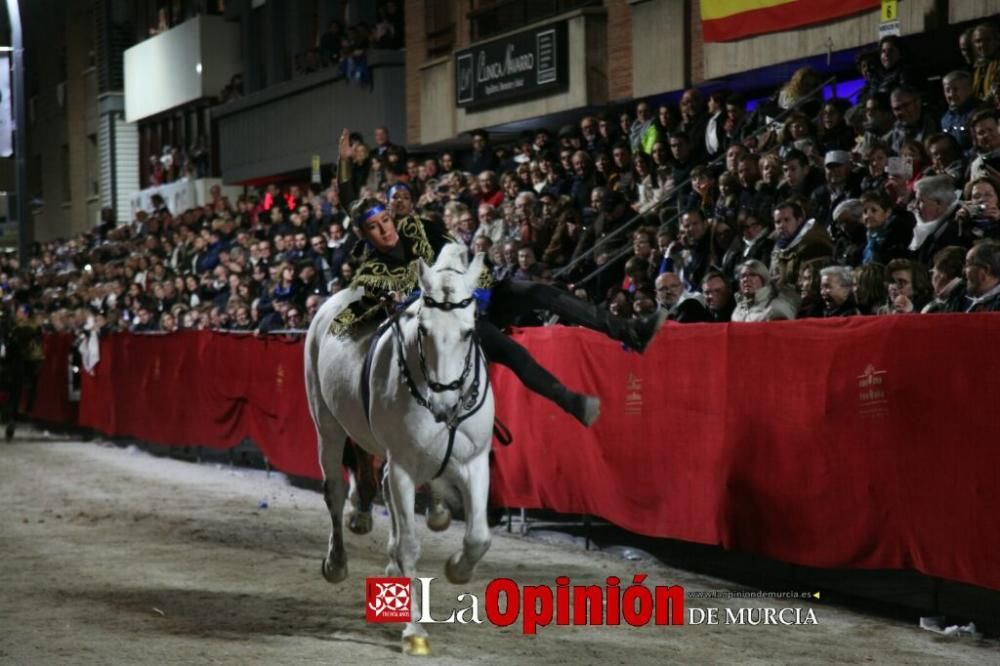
{"x":381,"y":273}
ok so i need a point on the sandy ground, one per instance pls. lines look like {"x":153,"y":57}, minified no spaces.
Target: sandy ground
{"x":110,"y":555}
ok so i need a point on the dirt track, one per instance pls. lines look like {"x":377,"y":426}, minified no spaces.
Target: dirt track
{"x":113,"y":556}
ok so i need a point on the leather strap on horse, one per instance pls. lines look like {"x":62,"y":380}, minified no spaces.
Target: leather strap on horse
{"x":366,"y":370}
{"x":455,"y":420}
{"x":453,"y":427}
{"x":502,"y":432}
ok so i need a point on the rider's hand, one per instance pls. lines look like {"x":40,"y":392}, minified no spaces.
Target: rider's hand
{"x":346,"y":152}
{"x":393,"y":298}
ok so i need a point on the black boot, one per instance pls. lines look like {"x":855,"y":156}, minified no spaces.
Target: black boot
{"x":584,"y":408}
{"x":642,"y":331}
{"x":501,"y":349}
{"x":636,"y":333}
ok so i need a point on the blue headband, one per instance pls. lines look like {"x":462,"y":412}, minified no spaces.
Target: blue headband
{"x":372,"y":212}
{"x":399,"y":186}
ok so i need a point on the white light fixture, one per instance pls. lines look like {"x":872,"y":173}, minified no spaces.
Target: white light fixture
{"x":197,"y":68}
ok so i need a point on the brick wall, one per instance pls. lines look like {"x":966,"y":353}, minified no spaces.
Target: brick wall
{"x":415,"y":52}
{"x":697,"y":50}
{"x":619,"y":49}
{"x":463,"y":31}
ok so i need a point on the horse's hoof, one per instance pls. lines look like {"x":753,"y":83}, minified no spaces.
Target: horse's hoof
{"x":454,"y":576}
{"x":333,"y":574}
{"x":416,"y":646}
{"x":439,"y":521}
{"x":361,"y":522}
{"x":10,"y":431}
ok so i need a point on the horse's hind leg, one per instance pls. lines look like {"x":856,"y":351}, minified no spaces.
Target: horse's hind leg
{"x":406,"y":548}
{"x":363,"y":487}
{"x":331,"y":438}
{"x":475,"y":487}
{"x":438,"y":513}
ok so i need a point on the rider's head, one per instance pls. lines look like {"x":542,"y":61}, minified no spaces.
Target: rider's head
{"x":372,"y":220}
{"x":400,"y":199}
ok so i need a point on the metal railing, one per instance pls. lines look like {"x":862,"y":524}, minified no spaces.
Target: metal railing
{"x":254,"y":331}
{"x":627,"y":226}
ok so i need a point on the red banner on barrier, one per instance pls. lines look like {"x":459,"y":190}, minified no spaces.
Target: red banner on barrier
{"x":854,"y":443}
{"x":207,"y":389}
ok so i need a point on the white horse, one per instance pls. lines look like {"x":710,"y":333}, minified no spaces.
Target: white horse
{"x":430,"y":414}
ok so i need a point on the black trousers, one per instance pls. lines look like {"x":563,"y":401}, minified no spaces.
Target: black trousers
{"x":513,"y":298}
{"x":22,"y":380}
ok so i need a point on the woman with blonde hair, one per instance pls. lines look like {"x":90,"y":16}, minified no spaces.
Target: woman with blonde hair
{"x":802,"y":90}
{"x":767,"y":186}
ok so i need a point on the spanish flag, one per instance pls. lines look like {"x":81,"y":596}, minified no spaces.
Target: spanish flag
{"x":726,"y":20}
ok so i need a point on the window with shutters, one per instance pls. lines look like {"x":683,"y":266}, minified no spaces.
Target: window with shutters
{"x":439,"y":20}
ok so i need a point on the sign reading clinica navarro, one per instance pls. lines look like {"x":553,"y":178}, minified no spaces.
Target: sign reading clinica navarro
{"x":525,"y":64}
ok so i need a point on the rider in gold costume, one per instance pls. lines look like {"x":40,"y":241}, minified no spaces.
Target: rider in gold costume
{"x":387,"y":268}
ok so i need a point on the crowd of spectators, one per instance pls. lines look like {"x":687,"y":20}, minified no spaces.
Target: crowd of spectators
{"x":176,"y":163}
{"x":800,"y":207}
{"x":347,"y":47}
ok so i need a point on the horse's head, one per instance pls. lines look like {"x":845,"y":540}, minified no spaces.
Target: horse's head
{"x":447,"y":321}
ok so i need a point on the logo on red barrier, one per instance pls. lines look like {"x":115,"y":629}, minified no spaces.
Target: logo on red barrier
{"x":387,"y":599}
{"x":873,"y":398}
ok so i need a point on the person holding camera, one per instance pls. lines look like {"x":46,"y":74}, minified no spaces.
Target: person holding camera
{"x":979,"y":215}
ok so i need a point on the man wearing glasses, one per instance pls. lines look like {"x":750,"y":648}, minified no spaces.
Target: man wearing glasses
{"x":982,"y":277}
{"x":912,"y":122}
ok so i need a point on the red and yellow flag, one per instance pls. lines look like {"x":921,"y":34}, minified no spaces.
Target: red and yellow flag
{"x":725,"y":20}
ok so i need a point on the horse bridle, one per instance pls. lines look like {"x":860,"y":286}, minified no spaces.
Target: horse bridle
{"x":446,"y":306}
{"x":467,"y":399}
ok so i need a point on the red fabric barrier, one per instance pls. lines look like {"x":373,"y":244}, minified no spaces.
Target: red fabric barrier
{"x":209,"y":389}
{"x":52,"y":404}
{"x":855,"y":443}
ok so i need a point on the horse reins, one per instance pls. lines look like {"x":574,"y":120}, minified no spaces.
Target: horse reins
{"x":468,"y":399}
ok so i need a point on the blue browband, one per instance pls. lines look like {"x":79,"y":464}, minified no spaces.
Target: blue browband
{"x":372,"y":212}
{"x":396,"y":188}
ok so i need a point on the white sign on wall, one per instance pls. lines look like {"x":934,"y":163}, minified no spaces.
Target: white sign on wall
{"x":178,"y":197}
{"x":6,"y":122}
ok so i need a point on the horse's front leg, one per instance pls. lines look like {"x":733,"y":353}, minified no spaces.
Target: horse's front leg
{"x":406,"y":550}
{"x":474,"y":482}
